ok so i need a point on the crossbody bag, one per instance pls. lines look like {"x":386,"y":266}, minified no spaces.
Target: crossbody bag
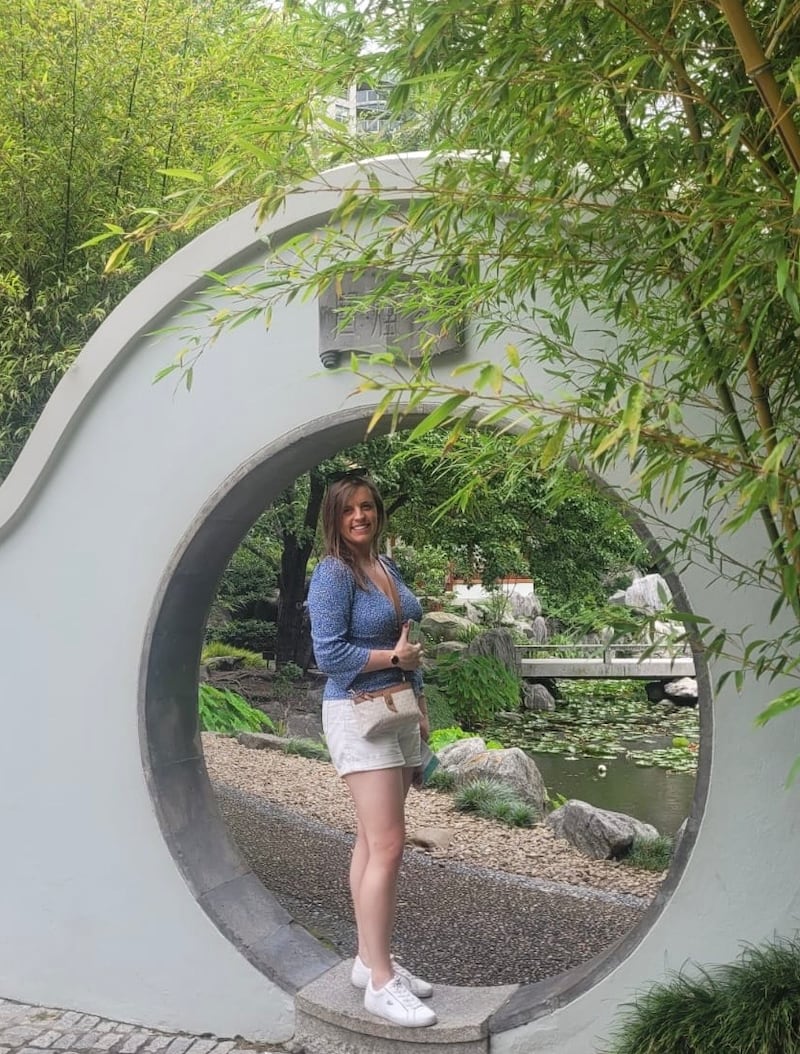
{"x":381,"y":711}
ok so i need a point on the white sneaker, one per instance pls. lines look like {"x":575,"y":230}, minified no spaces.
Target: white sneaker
{"x":395,"y":1003}
{"x":359,"y":976}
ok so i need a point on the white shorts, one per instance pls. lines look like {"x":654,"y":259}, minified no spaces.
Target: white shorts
{"x":350,"y":752}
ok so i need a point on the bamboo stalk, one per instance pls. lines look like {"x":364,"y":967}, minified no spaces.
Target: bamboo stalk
{"x":758,"y":69}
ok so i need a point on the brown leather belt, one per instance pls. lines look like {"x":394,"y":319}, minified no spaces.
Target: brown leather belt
{"x":383,"y":693}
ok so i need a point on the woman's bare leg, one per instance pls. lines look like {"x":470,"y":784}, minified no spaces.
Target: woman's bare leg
{"x":379,"y":798}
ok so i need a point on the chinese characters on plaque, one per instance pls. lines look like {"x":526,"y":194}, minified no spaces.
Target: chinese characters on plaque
{"x":373,"y":329}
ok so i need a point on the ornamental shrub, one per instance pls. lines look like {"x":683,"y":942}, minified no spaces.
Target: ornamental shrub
{"x":476,"y":687}
{"x":227,"y":711}
{"x":252,"y":634}
{"x":217,"y":649}
{"x":746,"y":1007}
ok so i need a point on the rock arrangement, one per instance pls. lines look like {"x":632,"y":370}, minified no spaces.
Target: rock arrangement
{"x":468,"y":760}
{"x":597,"y":833}
{"x":486,"y":628}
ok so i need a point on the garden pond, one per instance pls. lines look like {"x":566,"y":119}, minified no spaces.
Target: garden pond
{"x":607,"y":745}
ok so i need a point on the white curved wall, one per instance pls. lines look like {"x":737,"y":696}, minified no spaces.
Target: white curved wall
{"x":93,"y":911}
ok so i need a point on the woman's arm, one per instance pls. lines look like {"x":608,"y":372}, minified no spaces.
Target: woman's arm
{"x":330,"y":601}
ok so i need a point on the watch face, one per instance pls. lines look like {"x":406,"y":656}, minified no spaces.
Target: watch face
{"x":395,"y":660}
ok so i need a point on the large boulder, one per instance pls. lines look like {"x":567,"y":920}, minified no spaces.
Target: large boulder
{"x":598,"y":833}
{"x":649,"y":594}
{"x":524,"y":605}
{"x":537,"y":697}
{"x":540,"y":632}
{"x":444,"y":625}
{"x":456,"y":754}
{"x":500,"y":645}
{"x":450,"y":647}
{"x":682,"y":692}
{"x":466,"y":608}
{"x":511,"y":766}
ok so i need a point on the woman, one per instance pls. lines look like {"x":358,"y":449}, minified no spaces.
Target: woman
{"x":361,"y":643}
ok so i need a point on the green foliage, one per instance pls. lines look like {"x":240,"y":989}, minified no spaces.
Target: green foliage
{"x":440,"y":713}
{"x":494,"y":800}
{"x":250,"y":634}
{"x":746,"y":1007}
{"x":226,"y":711}
{"x":307,"y":748}
{"x":441,"y":780}
{"x":286,"y":680}
{"x":424,"y":569}
{"x":216,"y":649}
{"x":444,"y":736}
{"x":476,"y":687}
{"x":650,"y":854}
{"x":102,"y":106}
{"x":467,"y":634}
{"x":616,"y":173}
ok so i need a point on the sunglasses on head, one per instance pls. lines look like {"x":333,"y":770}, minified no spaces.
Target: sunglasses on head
{"x":348,"y":473}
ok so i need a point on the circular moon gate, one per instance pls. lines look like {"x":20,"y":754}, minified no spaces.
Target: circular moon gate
{"x":122,"y":894}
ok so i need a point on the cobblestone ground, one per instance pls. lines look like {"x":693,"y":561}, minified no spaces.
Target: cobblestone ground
{"x":28,"y":1029}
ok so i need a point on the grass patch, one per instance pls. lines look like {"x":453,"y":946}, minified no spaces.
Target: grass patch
{"x":650,"y":854}
{"x":307,"y":748}
{"x":494,"y":800}
{"x":216,"y":649}
{"x":750,"y":1006}
{"x":441,"y":780}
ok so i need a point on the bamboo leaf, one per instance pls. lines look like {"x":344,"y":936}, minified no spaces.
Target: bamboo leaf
{"x":794,"y":772}
{"x":554,"y":444}
{"x":785,"y":702}
{"x":438,"y":416}
{"x":181,"y":173}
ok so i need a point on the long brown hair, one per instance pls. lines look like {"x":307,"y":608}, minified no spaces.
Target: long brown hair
{"x":336,"y":497}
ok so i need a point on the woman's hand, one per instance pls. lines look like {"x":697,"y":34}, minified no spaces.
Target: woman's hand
{"x":424,"y":727}
{"x":410,"y":655}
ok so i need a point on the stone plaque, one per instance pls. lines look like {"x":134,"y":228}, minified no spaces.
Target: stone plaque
{"x":374,"y":329}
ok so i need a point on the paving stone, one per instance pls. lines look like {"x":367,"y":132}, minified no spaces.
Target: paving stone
{"x":106,"y":1040}
{"x":158,"y":1043}
{"x":46,"y":1039}
{"x":28,"y":1029}
{"x":10,"y":1012}
{"x":20,"y":1034}
{"x":202,"y":1046}
{"x":180,"y":1044}
{"x":66,"y":1041}
{"x":69,"y":1018}
{"x":134,"y":1041}
{"x":86,"y":1041}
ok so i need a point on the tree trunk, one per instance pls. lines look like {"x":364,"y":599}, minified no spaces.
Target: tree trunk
{"x":292,"y":639}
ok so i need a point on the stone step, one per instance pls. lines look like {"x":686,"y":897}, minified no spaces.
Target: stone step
{"x":331,"y":1019}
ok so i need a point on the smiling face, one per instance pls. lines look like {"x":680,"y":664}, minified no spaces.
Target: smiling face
{"x":358,"y":520}
{"x":353,"y":518}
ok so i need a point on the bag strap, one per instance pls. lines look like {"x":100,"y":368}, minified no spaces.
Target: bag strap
{"x":395,"y":597}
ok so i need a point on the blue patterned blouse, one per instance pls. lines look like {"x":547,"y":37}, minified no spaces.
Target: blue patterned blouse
{"x":348,"y":622}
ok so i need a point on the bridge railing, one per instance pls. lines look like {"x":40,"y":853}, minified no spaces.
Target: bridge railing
{"x":607,"y":653}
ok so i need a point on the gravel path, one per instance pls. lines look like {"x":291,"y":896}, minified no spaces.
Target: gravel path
{"x":499,"y":905}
